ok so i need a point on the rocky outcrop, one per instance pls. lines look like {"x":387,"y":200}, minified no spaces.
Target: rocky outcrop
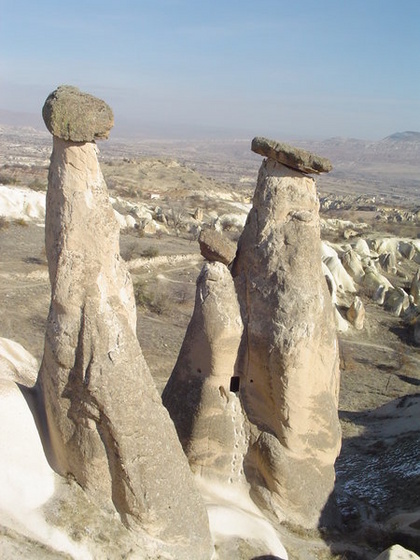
{"x":106,"y":425}
{"x":356,"y":314}
{"x":352,"y":263}
{"x":202,"y":394}
{"x":415,"y":287}
{"x":397,"y":552}
{"x":288,"y":362}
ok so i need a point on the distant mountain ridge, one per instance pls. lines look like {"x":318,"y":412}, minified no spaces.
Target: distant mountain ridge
{"x":407,"y":136}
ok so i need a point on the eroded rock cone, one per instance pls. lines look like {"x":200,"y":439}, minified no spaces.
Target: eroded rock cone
{"x":202,"y":393}
{"x":106,"y":423}
{"x":415,"y":287}
{"x":356,"y":313}
{"x":289,"y":356}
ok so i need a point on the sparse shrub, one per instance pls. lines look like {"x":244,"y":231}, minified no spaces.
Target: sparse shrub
{"x":150,"y":252}
{"x":176,"y":216}
{"x":161,"y":304}
{"x":7,"y":179}
{"x":4,"y":224}
{"x":128,"y":253}
{"x":21,"y":222}
{"x":140,"y":294}
{"x":156,"y":301}
{"x":38,"y":185}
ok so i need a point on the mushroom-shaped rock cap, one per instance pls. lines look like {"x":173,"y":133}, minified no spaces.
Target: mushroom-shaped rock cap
{"x":73,"y":115}
{"x":296,"y":158}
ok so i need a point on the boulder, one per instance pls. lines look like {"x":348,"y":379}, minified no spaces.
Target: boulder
{"x":341,"y":324}
{"x":288,"y":361}
{"x":415,"y":288}
{"x":296,"y":158}
{"x":396,"y":301}
{"x":388,"y":262}
{"x":105,"y":423}
{"x":362,"y":248}
{"x":397,"y":552}
{"x":214,"y":246}
{"x":356,"y":314}
{"x":353,"y":265}
{"x":343,"y":280}
{"x":70,"y":114}
{"x":373,"y":279}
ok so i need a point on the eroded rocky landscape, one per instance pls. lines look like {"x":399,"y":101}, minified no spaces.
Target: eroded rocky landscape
{"x":262,"y":448}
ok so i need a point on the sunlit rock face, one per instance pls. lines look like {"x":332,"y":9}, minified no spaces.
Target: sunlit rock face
{"x":201,"y":394}
{"x":106,"y":424}
{"x":288,"y":362}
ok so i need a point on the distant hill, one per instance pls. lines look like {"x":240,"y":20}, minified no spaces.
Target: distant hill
{"x":18,"y":119}
{"x":407,"y":136}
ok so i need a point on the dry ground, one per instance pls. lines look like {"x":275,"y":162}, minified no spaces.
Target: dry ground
{"x":379,"y":364}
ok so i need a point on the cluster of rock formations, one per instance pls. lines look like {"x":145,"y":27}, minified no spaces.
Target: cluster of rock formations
{"x":272,"y":315}
{"x":363,"y":265}
{"x":253,"y":395}
{"x":251,"y":406}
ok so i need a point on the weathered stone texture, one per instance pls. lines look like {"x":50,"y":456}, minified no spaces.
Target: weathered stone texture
{"x":214,"y":246}
{"x":107,"y":427}
{"x":296,"y":158}
{"x":70,"y":114}
{"x":200,"y":395}
{"x":356,"y":313}
{"x":289,"y":356}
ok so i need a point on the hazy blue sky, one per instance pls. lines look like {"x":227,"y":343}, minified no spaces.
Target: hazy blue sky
{"x":302,"y":68}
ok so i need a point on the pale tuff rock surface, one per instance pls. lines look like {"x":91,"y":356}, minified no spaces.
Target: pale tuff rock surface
{"x":397,"y":552}
{"x":16,"y":363}
{"x":201,"y":394}
{"x":356,"y":313}
{"x":296,"y":158}
{"x":107,"y":427}
{"x":415,"y":288}
{"x":73,"y":115}
{"x":214,"y":246}
{"x":289,"y":357}
{"x":353,"y":265}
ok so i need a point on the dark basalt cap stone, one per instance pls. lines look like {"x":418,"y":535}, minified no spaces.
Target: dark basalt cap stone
{"x":73,"y":115}
{"x":296,"y":158}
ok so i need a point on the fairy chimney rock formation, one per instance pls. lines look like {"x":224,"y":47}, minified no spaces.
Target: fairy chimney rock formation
{"x":70,"y":114}
{"x":106,"y":424}
{"x":202,"y":394}
{"x":288,"y":361}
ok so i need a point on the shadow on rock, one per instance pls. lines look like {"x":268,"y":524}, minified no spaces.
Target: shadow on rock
{"x":378,"y":480}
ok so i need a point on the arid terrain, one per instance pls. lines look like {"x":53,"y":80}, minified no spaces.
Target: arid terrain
{"x":165,"y":192}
